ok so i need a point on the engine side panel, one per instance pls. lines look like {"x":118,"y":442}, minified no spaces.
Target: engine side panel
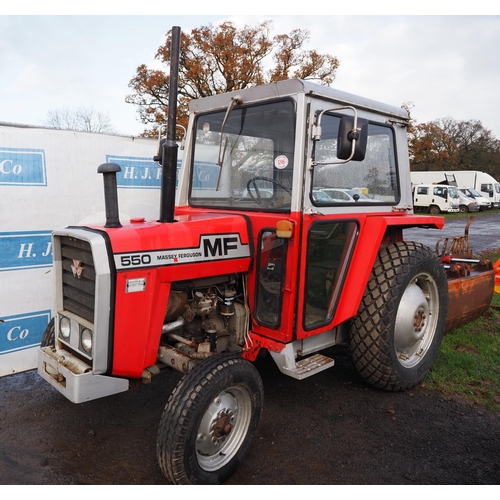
{"x":149,"y":257}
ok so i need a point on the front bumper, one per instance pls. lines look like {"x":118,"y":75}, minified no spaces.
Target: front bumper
{"x":73,"y":378}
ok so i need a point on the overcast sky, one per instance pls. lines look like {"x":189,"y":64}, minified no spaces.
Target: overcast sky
{"x":447,"y":66}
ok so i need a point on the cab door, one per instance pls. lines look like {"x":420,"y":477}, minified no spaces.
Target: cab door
{"x":328,"y":245}
{"x":299,"y":281}
{"x":276,"y":280}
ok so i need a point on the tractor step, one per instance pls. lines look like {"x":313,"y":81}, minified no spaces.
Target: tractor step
{"x":309,"y":366}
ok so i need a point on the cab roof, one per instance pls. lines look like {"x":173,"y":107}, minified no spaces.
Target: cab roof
{"x":292,"y":87}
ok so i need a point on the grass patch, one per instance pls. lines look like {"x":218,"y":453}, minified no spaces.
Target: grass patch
{"x":467,"y":215}
{"x":468,"y":363}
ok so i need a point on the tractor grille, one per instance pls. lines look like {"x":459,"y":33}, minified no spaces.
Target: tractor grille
{"x":78,"y":277}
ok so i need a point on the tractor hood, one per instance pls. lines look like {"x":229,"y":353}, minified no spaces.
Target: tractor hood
{"x":219,"y":239}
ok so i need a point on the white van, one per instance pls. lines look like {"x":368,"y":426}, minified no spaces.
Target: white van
{"x":467,"y":203}
{"x":435,"y":198}
{"x":482,"y":182}
{"x":483,"y":203}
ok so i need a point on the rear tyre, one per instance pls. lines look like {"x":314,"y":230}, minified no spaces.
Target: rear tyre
{"x":210,"y":420}
{"x":396,"y":334}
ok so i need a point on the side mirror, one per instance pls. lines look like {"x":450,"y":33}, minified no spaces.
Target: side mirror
{"x":351,"y":143}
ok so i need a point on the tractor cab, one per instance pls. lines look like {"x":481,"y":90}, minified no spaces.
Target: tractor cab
{"x":309,"y":167}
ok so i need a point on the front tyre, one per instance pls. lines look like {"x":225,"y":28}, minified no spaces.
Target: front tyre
{"x":396,"y":334}
{"x":210,"y":420}
{"x":49,"y":335}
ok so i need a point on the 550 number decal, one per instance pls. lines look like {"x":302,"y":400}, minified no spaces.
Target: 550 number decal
{"x":135,"y":260}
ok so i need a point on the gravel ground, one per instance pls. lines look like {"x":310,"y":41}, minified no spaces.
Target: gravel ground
{"x":329,"y":429}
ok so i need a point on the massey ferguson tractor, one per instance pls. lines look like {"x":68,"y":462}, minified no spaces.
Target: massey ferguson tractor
{"x":285,"y":235}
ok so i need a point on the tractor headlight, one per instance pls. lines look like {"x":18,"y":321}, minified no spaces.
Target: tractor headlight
{"x":64,"y":327}
{"x":86,"y":340}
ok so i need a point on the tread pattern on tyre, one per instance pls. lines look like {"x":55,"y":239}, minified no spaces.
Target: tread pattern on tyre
{"x":49,"y":335}
{"x":177,"y":416}
{"x":372,"y":328}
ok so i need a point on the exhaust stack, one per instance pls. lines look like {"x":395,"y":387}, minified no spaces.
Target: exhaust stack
{"x":169,"y":147}
{"x":108,"y":170}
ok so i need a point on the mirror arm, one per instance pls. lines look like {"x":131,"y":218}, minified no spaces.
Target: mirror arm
{"x":157,"y":157}
{"x":316,"y":135}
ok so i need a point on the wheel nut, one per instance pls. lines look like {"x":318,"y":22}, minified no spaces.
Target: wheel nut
{"x":223,"y":426}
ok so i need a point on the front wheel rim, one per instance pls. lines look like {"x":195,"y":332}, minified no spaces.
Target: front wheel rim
{"x":223,"y":428}
{"x":416,"y":320}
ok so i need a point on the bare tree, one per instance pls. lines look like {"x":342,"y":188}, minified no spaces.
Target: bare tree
{"x":82,"y":119}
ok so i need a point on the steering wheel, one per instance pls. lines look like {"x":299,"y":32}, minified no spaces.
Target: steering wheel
{"x":253,"y":183}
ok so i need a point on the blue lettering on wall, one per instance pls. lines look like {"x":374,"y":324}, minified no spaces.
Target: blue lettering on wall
{"x":138,"y":172}
{"x":22,"y":331}
{"x":25,"y":250}
{"x":22,"y":167}
{"x":205,"y":175}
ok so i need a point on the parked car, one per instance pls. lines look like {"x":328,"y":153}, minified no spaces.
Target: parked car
{"x":484,"y":204}
{"x":320,"y":196}
{"x":467,"y":203}
{"x":339,"y":195}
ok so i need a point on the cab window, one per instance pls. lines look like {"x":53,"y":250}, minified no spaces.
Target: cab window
{"x":329,"y":248}
{"x":372,"y":180}
{"x":244,"y":159}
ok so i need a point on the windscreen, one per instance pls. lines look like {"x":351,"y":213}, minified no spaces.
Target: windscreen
{"x":246,"y":161}
{"x":372,"y":180}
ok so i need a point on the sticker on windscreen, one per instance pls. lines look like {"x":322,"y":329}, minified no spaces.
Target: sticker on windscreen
{"x":281,"y":162}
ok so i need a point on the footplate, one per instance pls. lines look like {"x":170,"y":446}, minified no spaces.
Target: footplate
{"x":309,"y":366}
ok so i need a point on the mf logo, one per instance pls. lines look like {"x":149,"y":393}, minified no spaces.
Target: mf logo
{"x":220,"y":245}
{"x":77,"y":267}
{"x":22,"y":167}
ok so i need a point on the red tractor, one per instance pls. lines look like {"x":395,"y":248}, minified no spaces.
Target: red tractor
{"x":254,"y":256}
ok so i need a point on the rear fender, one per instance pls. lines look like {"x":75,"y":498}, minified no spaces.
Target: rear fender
{"x":376,"y":231}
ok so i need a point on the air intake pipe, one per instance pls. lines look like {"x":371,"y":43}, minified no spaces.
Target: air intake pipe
{"x":108,"y":170}
{"x":170,"y":146}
